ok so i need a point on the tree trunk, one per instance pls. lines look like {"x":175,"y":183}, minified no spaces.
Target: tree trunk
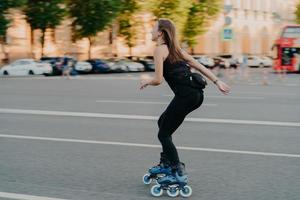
{"x":90,"y":48}
{"x":54,"y":36}
{"x":130,"y":51}
{"x":5,"y":60}
{"x":31,"y":41}
{"x":43,"y":41}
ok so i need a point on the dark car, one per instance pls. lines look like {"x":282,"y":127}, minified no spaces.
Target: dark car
{"x":231,"y":59}
{"x":56,"y":63}
{"x":99,"y":66}
{"x":219,"y":62}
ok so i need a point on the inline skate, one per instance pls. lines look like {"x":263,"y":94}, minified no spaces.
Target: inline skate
{"x":160,"y":170}
{"x":174,"y":184}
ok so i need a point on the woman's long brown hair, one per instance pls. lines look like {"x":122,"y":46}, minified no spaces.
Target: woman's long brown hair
{"x":167,"y":27}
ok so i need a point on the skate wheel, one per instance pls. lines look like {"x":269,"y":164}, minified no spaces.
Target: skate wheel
{"x":173,"y":192}
{"x":146,"y":179}
{"x":186,"y":191}
{"x":156,"y":191}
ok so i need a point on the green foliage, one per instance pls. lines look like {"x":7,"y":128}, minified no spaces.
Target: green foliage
{"x":199,"y":16}
{"x":176,"y":10}
{"x":91,"y":16}
{"x":127,"y":22}
{"x":297,"y":13}
{"x":190,"y":16}
{"x":5,"y":5}
{"x":3,"y":27}
{"x":42,"y":14}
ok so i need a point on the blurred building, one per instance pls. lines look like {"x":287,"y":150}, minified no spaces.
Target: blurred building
{"x":253,"y":25}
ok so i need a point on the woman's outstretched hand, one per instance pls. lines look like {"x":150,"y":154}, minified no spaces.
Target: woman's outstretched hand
{"x":144,"y":81}
{"x":223,"y":87}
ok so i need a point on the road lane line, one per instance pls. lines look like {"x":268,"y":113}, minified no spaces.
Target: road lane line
{"x":142,"y":102}
{"x":149,"y":145}
{"x":144,"y":117}
{"x":25,"y":196}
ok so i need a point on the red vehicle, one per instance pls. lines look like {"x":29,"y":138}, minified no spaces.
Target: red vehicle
{"x":287,"y":49}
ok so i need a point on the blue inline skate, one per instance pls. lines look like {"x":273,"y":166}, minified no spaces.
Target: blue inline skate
{"x":174,"y":184}
{"x":160,"y":170}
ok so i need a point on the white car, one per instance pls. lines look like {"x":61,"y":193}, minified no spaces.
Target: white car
{"x":83,"y":66}
{"x":26,"y":67}
{"x":205,"y":60}
{"x":127,"y":65}
{"x":254,"y":61}
{"x":267,"y":62}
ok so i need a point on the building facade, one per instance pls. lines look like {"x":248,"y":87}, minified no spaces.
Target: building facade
{"x":255,"y":25}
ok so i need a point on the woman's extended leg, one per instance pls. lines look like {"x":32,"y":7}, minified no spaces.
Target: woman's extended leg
{"x":172,"y":118}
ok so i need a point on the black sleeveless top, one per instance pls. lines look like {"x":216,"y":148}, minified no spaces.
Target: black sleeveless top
{"x":177,"y":75}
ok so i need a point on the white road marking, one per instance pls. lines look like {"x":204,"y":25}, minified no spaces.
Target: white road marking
{"x":225,"y":97}
{"x":25,"y":196}
{"x":143,"y":117}
{"x":234,"y":97}
{"x":149,"y":145}
{"x":142,"y":102}
{"x":267,"y":93}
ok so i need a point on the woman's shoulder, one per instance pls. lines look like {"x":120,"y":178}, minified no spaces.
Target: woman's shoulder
{"x":161,"y":51}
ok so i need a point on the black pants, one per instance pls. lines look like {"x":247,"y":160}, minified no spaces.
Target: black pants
{"x":171,"y":119}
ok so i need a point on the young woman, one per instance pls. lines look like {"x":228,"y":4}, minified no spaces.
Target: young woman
{"x":173,"y":64}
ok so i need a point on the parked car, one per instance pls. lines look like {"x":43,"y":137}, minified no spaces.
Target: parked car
{"x":204,"y":60}
{"x":26,"y":67}
{"x":56,"y":63}
{"x":147,"y":61}
{"x":254,"y":61}
{"x":267,"y":61}
{"x":219,"y":62}
{"x":99,"y":66}
{"x":83,"y":67}
{"x":233,"y":61}
{"x":148,"y":64}
{"x":126,"y":65}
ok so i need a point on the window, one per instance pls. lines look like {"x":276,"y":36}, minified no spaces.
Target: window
{"x":253,"y":4}
{"x":291,"y":32}
{"x":238,"y":4}
{"x":248,"y":4}
{"x":24,"y":62}
{"x":263,"y":5}
{"x":288,"y":54}
{"x":243,"y":4}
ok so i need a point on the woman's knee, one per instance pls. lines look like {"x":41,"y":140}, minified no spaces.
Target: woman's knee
{"x":163,"y":136}
{"x":160,"y":120}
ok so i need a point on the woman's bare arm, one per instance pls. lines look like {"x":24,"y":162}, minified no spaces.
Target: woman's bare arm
{"x":223,"y":87}
{"x":159,"y":55}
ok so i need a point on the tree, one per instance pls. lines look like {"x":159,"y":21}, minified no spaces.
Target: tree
{"x":42,"y":15}
{"x":199,"y":15}
{"x":5,"y":5}
{"x":127,"y":22}
{"x":297,"y":13}
{"x":90,"y":17}
{"x":176,"y":10}
{"x":191,"y":17}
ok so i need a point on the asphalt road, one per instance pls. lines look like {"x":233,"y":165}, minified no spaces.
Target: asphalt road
{"x":93,"y":137}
